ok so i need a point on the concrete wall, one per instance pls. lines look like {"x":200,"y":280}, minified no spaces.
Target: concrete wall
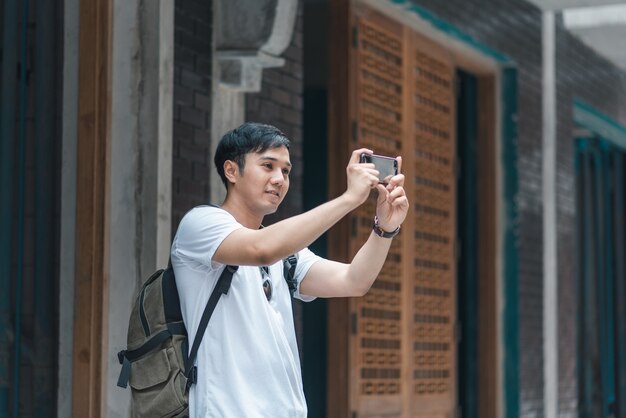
{"x":141,"y":158}
{"x":68,"y":206}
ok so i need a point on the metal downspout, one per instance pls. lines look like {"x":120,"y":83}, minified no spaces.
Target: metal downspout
{"x":7,"y":135}
{"x":550,"y":254}
{"x":45,"y":209}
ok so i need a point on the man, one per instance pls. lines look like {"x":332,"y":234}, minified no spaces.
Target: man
{"x":248,"y":363}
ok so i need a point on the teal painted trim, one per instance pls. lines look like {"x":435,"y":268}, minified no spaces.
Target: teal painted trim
{"x":581,"y":248}
{"x":609,"y":354}
{"x":21,"y":179}
{"x":510,"y":249}
{"x":599,"y":123}
{"x":44,"y":288}
{"x":588,"y":331}
{"x":453,"y":31}
{"x":601,"y":269}
{"x":8,"y":116}
{"x":620,"y":284}
{"x":511,"y":234}
{"x":582,"y":144}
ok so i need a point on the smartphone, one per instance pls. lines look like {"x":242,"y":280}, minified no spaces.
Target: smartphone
{"x":387,"y":166}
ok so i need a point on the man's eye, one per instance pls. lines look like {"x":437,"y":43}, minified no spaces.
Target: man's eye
{"x":268,"y":165}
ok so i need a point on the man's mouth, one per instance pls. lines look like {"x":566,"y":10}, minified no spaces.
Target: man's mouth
{"x":273,"y":192}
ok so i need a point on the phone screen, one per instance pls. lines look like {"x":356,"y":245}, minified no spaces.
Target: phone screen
{"x":387,"y":166}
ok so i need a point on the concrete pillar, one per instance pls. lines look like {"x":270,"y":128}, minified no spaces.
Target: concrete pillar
{"x":68,"y":206}
{"x":228,"y":111}
{"x":141,"y":166}
{"x":550,"y":270}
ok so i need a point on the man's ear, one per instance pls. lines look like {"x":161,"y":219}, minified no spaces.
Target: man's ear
{"x":230,"y":171}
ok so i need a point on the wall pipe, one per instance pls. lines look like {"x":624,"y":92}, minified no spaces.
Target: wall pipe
{"x":45,"y":175}
{"x":7,"y":136}
{"x":550,"y":255}
{"x":19,"y":268}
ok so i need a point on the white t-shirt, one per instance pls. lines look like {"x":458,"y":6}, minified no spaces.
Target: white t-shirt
{"x":248,"y":363}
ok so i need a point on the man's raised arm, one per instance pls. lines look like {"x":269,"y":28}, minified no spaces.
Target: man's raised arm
{"x":268,"y":245}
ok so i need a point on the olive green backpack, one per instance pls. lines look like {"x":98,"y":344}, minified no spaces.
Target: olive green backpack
{"x":155,"y":362}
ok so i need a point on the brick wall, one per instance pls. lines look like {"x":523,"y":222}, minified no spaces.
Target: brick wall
{"x":192,"y":161}
{"x":279,"y":103}
{"x":513,"y":27}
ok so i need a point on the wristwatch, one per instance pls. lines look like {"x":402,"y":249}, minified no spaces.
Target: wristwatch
{"x":382,"y":233}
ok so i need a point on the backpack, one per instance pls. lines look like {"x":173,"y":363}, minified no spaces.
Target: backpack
{"x":155,"y":362}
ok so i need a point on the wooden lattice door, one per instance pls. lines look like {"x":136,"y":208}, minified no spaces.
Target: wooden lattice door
{"x":433,"y":282}
{"x":377,"y":345}
{"x":403,"y":348}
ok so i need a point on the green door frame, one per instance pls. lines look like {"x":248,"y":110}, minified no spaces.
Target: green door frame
{"x":510,"y":235}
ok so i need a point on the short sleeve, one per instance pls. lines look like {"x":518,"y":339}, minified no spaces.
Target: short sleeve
{"x":306,"y":258}
{"x":201,"y":232}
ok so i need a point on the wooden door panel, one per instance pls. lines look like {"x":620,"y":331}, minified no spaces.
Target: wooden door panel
{"x":376,"y":346}
{"x":403,"y":344}
{"x":433,"y":284}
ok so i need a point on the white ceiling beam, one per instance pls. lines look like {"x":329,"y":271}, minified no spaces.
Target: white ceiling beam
{"x":557,"y":5}
{"x":598,"y":16}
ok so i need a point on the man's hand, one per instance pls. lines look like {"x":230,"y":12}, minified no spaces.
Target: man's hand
{"x":362,"y":177}
{"x":392,"y":205}
{"x":328,"y":278}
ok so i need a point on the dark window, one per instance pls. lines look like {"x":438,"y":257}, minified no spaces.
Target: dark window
{"x":601,"y":286}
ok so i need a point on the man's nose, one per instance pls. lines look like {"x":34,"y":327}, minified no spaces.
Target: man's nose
{"x":277,"y":177}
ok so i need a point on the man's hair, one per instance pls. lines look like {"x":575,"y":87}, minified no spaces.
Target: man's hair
{"x":247,"y":138}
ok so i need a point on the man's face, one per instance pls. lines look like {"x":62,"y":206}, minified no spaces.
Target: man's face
{"x":264,"y":181}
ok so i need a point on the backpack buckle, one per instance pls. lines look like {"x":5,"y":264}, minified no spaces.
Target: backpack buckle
{"x":193,"y":376}
{"x":121,"y":356}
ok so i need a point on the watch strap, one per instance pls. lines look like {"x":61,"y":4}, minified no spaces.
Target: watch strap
{"x":381,"y":232}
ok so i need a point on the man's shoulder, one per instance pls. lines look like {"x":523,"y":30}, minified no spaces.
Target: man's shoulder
{"x":204,"y":213}
{"x":201,"y":218}
{"x":202,"y":209}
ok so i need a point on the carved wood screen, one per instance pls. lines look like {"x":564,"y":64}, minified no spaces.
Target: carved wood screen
{"x":403,"y":345}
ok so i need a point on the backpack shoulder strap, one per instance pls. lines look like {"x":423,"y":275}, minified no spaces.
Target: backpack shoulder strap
{"x":289,"y":267}
{"x":221,"y":288}
{"x":289,"y":272}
